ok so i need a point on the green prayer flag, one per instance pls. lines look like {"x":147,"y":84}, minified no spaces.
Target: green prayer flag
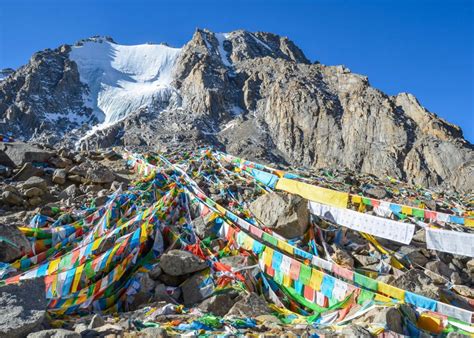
{"x":270,"y":239}
{"x":364,"y":281}
{"x":418,"y":213}
{"x":305,"y":274}
{"x":364,"y":296}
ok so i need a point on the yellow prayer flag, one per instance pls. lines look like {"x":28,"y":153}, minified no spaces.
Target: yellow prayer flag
{"x":356,"y":199}
{"x":285,"y":247}
{"x":469,"y":222}
{"x":391,"y":291}
{"x":407,"y":210}
{"x":316,"y":279}
{"x":287,"y":281}
{"x":53,"y":266}
{"x":267,"y":256}
{"x":381,"y":298}
{"x":77,"y":278}
{"x":314,"y":193}
{"x":96,"y":243}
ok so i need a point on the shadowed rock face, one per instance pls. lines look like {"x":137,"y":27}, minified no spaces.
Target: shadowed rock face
{"x":256,"y":95}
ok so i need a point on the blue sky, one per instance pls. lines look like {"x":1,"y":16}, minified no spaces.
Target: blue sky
{"x":421,"y":47}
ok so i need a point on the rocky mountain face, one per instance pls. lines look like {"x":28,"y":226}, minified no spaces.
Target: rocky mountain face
{"x":255,"y":95}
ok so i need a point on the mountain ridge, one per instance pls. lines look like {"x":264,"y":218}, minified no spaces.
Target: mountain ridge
{"x":255,"y":95}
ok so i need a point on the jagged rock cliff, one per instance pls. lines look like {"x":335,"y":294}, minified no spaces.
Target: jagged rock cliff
{"x":255,"y":95}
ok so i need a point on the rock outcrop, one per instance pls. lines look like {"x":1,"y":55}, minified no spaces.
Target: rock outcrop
{"x":255,"y":95}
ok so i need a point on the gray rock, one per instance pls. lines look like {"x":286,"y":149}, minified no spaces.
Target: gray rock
{"x":80,"y":327}
{"x":59,"y":176}
{"x":464,"y":290}
{"x":153,"y":332}
{"x":418,"y":282}
{"x":390,"y":317}
{"x":12,"y":198}
{"x":342,"y":258}
{"x":286,"y":214}
{"x":71,"y":191}
{"x":376,"y":192}
{"x":438,"y":271}
{"x":193,"y":291}
{"x":109,"y":329}
{"x":201,"y":227}
{"x":100,"y":175}
{"x":180,"y":262}
{"x":219,"y":304}
{"x":20,"y":153}
{"x":237,"y":262}
{"x":27,"y":171}
{"x":35,"y":182}
{"x":155,"y":272}
{"x":249,"y":305}
{"x":355,"y":331}
{"x":35,"y":201}
{"x":33,"y":192}
{"x":54,"y":333}
{"x":96,"y":321}
{"x":13,"y":244}
{"x":413,"y":255}
{"x":5,"y":160}
{"x":22,"y":308}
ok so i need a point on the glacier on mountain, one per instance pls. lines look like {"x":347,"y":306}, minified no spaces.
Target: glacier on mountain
{"x":122,"y":79}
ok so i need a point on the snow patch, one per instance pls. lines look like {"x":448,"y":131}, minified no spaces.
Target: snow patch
{"x":260,"y":42}
{"x":122,"y":79}
{"x":221,"y":37}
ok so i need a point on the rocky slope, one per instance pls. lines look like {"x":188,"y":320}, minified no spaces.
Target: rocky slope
{"x":251,"y":94}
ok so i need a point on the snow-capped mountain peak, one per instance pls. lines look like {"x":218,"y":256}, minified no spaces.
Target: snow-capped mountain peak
{"x":122,"y":78}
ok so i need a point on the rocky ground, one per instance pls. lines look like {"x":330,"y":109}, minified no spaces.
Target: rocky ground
{"x":45,"y":187}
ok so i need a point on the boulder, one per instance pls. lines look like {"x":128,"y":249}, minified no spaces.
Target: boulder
{"x":180,"y":262}
{"x":96,"y":321}
{"x":9,"y":197}
{"x":100,"y":175}
{"x":5,"y":160}
{"x":418,"y":282}
{"x":464,"y":290}
{"x":219,"y":304}
{"x":13,"y":244}
{"x":237,"y":261}
{"x":20,"y":153}
{"x":54,"y":333}
{"x":438,"y":271}
{"x":69,"y":192}
{"x":59,"y":176}
{"x":22,"y":308}
{"x":195,"y":289}
{"x":35,"y":201}
{"x":33,"y":192}
{"x":109,"y":330}
{"x":353,"y":331}
{"x":35,"y":182}
{"x":413,"y":255}
{"x":343,"y":258}
{"x":201,"y":226}
{"x":249,"y":305}
{"x":155,"y":272}
{"x":375,"y":192}
{"x":286,"y":214}
{"x":153,"y":332}
{"x":388,"y":316}
{"x":27,"y":171}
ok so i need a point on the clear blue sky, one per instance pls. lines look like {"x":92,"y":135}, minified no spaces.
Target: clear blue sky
{"x":421,"y":47}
